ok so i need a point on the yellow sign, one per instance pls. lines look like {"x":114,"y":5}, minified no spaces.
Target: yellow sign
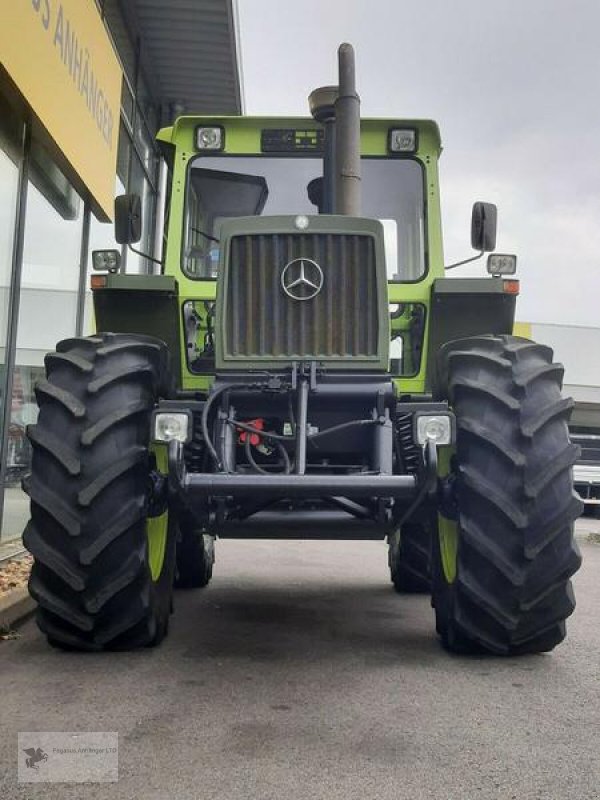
{"x":59,"y":55}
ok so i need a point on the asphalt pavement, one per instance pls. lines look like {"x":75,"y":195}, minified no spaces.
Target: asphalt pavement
{"x":299,"y":673}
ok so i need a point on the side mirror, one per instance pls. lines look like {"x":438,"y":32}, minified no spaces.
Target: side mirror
{"x":128,"y":218}
{"x":483,"y":227}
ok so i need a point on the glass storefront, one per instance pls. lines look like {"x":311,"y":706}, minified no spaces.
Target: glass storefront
{"x":47,"y":311}
{"x":10,"y":157}
{"x":15,"y":448}
{"x":46,"y":226}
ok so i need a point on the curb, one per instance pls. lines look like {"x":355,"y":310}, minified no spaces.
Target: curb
{"x":15,"y":608}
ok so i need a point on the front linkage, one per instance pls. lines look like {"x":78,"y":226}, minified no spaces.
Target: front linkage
{"x":302,"y":452}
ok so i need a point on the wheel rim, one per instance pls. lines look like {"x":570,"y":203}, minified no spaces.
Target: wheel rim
{"x":447,"y":528}
{"x":448,"y":533}
{"x":157,"y":527}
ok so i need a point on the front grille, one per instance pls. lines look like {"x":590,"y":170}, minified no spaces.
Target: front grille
{"x":341,"y":321}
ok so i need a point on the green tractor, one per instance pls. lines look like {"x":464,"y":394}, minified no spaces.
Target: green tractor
{"x":302,"y":368}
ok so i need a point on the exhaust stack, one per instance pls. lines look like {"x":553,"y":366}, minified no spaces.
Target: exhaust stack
{"x":337,"y":108}
{"x":347,"y":113}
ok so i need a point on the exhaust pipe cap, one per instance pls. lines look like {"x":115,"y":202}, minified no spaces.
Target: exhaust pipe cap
{"x":321,"y":102}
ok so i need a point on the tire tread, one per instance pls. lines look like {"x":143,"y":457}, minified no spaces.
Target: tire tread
{"x":516,"y":553}
{"x":88,"y":490}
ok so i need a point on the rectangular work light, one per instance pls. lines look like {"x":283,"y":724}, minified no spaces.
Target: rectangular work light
{"x":402,"y":140}
{"x":109,"y":260}
{"x":438,"y":428}
{"x":168,"y":426}
{"x":501,"y":264}
{"x":210,"y":138}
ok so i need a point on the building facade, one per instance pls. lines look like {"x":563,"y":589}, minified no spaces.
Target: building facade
{"x":84,"y":86}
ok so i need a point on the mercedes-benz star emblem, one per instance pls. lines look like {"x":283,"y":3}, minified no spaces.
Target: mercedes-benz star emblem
{"x":302,"y":279}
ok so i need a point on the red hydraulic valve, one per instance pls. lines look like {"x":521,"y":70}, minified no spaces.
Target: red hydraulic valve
{"x":255,"y":438}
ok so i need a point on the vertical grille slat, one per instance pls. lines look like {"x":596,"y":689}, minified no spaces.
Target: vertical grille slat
{"x":354,"y":302}
{"x":341,"y":321}
{"x":302,"y":345}
{"x":330,"y":321}
{"x":276,"y":317}
{"x":340,"y":311}
{"x":316,"y":319}
{"x":262,"y":272}
{"x":248,"y":289}
{"x":235,"y":290}
{"x":371,"y":323}
{"x":289,"y":321}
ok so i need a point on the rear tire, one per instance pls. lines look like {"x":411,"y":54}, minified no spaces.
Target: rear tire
{"x":103,"y":568}
{"x":501,"y":570}
{"x":195,"y":559}
{"x":409,"y":558}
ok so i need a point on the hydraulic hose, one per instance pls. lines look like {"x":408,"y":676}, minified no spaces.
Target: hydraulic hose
{"x":277,"y":437}
{"x":354,"y":423}
{"x":257,"y":468}
{"x":205,"y":412}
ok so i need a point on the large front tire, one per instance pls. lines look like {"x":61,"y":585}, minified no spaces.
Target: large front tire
{"x":103,"y":566}
{"x":501,"y":569}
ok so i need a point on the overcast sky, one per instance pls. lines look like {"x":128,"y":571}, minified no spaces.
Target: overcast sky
{"x":515,"y":88}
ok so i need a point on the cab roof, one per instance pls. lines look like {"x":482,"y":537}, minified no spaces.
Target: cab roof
{"x":181,"y":132}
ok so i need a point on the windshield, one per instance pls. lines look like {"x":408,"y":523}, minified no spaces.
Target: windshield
{"x":233,"y":186}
